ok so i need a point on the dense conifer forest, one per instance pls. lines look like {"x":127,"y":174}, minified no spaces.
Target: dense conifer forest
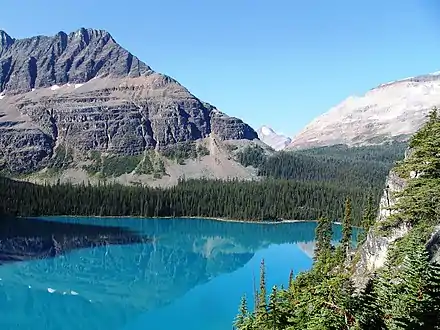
{"x":357,"y":166}
{"x":297,"y":185}
{"x":404,"y":294}
{"x":260,"y":200}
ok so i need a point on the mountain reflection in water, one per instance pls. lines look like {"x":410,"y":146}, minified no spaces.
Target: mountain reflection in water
{"x":127,"y":273}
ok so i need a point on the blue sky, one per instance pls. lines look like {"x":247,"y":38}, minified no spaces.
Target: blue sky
{"x":277,"y":62}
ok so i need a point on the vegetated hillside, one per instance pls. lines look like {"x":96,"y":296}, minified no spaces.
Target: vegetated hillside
{"x":71,"y":101}
{"x":402,"y":294}
{"x":302,"y":185}
{"x":363,"y":168}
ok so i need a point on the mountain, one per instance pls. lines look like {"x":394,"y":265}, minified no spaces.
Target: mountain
{"x":389,"y":112}
{"x":70,"y":96}
{"x":272,"y":139}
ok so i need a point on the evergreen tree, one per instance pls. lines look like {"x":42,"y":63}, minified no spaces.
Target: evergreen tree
{"x":273,"y":310}
{"x":323,"y":233}
{"x":242,"y":319}
{"x":413,"y":292}
{"x":290,"y":279}
{"x":368,"y":219}
{"x":347,"y":228}
{"x":261,"y":315}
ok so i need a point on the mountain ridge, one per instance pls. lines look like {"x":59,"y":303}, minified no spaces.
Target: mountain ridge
{"x":389,"y":112}
{"x":82,"y":92}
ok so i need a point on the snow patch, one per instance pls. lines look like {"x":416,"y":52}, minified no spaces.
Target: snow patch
{"x":55,"y":87}
{"x":78,"y":85}
{"x":266,"y":131}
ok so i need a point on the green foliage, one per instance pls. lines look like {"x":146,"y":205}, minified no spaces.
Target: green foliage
{"x":323,"y":234}
{"x":347,"y":230}
{"x":251,"y":156}
{"x":361,"y":166}
{"x":340,"y":166}
{"x":261,"y":303}
{"x":405,"y":294}
{"x":231,"y":147}
{"x":413,"y":292}
{"x":151,"y":164}
{"x":243,"y":320}
{"x":184,"y":150}
{"x":111,"y":165}
{"x":247,"y":200}
{"x":202,"y":150}
{"x":368,"y":218}
{"x":114,"y":166}
{"x":419,"y":203}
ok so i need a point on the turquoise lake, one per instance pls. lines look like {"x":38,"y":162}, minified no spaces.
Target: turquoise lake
{"x":126,"y":274}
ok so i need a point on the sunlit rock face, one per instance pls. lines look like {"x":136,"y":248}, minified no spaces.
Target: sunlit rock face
{"x":390,"y":112}
{"x":84,"y":91}
{"x":271,"y":138}
{"x":374,"y":250}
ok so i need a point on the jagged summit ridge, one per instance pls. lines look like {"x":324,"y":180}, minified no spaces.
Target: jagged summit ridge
{"x":77,"y":57}
{"x":5,"y":41}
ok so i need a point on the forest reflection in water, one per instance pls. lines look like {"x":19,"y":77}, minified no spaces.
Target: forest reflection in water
{"x":130,"y":273}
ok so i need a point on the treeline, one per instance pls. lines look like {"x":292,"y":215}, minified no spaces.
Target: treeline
{"x":404,"y":294}
{"x":300,"y":185}
{"x":365,"y":167}
{"x":247,"y":200}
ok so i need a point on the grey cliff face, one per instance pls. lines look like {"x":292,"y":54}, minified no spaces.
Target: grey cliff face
{"x":374,"y":251}
{"x":84,"y":91}
{"x":76,"y":58}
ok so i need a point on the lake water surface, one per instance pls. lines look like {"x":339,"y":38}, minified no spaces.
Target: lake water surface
{"x":126,"y":274}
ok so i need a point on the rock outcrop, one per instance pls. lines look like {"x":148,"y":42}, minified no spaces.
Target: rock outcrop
{"x":85,"y":92}
{"x":373,"y":252}
{"x":389,"y":112}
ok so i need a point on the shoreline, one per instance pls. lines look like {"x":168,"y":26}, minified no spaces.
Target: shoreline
{"x":282,"y":221}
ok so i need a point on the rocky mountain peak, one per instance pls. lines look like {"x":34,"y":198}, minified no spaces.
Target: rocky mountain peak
{"x":273,"y":139}
{"x":43,"y":61}
{"x":5,"y":41}
{"x":84,"y":93}
{"x":89,"y":35}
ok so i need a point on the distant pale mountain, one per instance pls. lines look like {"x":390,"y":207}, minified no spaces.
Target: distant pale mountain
{"x":392,"y":111}
{"x":272,"y":139}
